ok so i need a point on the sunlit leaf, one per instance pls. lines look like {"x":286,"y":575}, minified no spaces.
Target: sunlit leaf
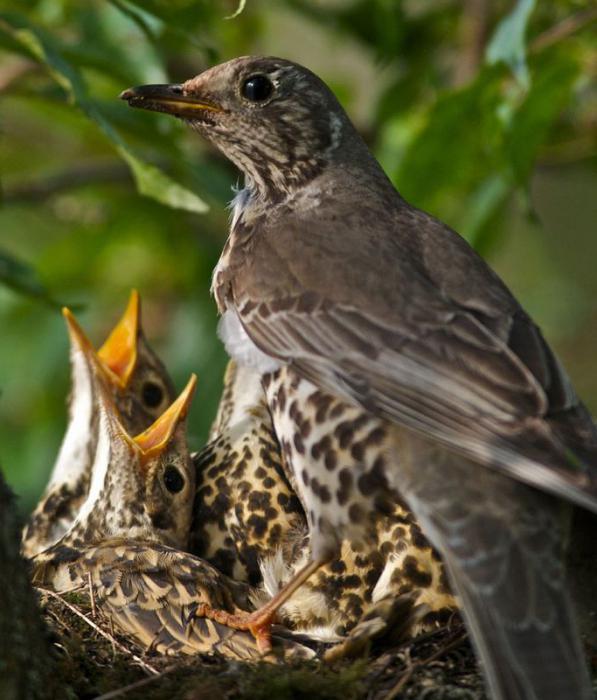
{"x":508,"y":42}
{"x":238,"y":11}
{"x":149,"y":179}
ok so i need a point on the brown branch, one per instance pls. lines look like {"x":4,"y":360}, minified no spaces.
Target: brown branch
{"x":563,"y":29}
{"x":11,"y":71}
{"x":473,"y":37}
{"x":571,"y":151}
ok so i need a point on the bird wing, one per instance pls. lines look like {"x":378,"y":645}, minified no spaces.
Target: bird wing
{"x":472,"y":372}
{"x":151,"y":593}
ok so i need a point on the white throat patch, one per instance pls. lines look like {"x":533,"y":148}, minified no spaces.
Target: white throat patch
{"x":73,"y":458}
{"x":238,"y":205}
{"x":240,"y":347}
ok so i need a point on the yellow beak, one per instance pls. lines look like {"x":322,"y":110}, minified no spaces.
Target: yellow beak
{"x":77,"y":335}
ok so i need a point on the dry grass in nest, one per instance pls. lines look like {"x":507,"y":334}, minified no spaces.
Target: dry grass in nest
{"x":94,"y":661}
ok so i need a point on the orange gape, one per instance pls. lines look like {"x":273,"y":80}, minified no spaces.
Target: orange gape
{"x":119,"y":352}
{"x":153,"y":440}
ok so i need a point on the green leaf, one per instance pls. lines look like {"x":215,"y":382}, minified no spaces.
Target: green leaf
{"x":456,"y":147}
{"x":153,"y":182}
{"x":553,"y":82}
{"x":508,"y":42}
{"x":173,"y":19}
{"x":480,"y":207}
{"x":24,"y":279}
{"x":150,"y":181}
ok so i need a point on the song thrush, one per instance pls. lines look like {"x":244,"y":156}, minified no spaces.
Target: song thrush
{"x":248,"y":523}
{"x":156,"y":595}
{"x":140,"y":501}
{"x":329,"y":271}
{"x":141,"y":389}
{"x":244,"y":509}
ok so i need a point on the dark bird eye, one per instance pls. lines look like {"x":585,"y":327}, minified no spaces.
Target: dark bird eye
{"x":173,"y":479}
{"x":152,"y":394}
{"x":257,"y":88}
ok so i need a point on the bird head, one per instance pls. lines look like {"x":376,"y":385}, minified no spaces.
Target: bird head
{"x":277,"y":121}
{"x":141,"y":487}
{"x":135,"y":376}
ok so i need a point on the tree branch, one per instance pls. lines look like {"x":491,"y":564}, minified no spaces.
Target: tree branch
{"x":77,"y":176}
{"x":563,"y":29}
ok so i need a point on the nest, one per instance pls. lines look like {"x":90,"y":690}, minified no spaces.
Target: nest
{"x":95,"y":661}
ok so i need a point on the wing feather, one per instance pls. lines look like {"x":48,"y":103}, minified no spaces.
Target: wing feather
{"x":457,"y":383}
{"x":149,"y":591}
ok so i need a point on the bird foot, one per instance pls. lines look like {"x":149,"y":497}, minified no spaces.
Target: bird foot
{"x":258,"y":623}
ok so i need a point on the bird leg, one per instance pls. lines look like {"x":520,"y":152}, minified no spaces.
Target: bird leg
{"x":259,"y":622}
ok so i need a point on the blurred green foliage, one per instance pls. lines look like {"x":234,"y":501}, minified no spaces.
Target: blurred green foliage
{"x":483,"y":113}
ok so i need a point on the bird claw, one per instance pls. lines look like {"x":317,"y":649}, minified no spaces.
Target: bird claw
{"x":258,"y":623}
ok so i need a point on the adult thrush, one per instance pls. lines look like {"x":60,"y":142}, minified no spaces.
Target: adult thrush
{"x":141,"y":389}
{"x":329,"y":272}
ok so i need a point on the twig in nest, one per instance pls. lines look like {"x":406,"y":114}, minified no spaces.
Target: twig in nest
{"x":412,"y":667}
{"x":99,"y":630}
{"x":133,"y":686}
{"x":111,"y":621}
{"x":91,"y":595}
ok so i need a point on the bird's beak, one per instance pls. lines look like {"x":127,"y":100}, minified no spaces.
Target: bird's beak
{"x":169,"y":99}
{"x":79,"y":340}
{"x":119,"y":352}
{"x":157,"y":437}
{"x":102,"y":376}
{"x":77,"y":336}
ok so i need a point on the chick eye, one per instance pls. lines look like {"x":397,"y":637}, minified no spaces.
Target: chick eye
{"x":173,"y":479}
{"x":152,"y":394}
{"x":257,"y":88}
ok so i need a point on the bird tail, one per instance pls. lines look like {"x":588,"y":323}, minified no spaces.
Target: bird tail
{"x":502,"y":543}
{"x":527,"y":662}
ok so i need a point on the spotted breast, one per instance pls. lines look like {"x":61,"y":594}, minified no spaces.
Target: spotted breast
{"x":248,"y":522}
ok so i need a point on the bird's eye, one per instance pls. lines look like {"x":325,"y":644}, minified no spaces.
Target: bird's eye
{"x":257,"y":88}
{"x":152,"y":394}
{"x":173,"y":479}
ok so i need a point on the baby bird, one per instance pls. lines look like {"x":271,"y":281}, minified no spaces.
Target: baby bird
{"x":141,"y":388}
{"x":124,"y":545}
{"x":160,"y":597}
{"x":248,"y":522}
{"x":141,"y":488}
{"x":245,"y":509}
